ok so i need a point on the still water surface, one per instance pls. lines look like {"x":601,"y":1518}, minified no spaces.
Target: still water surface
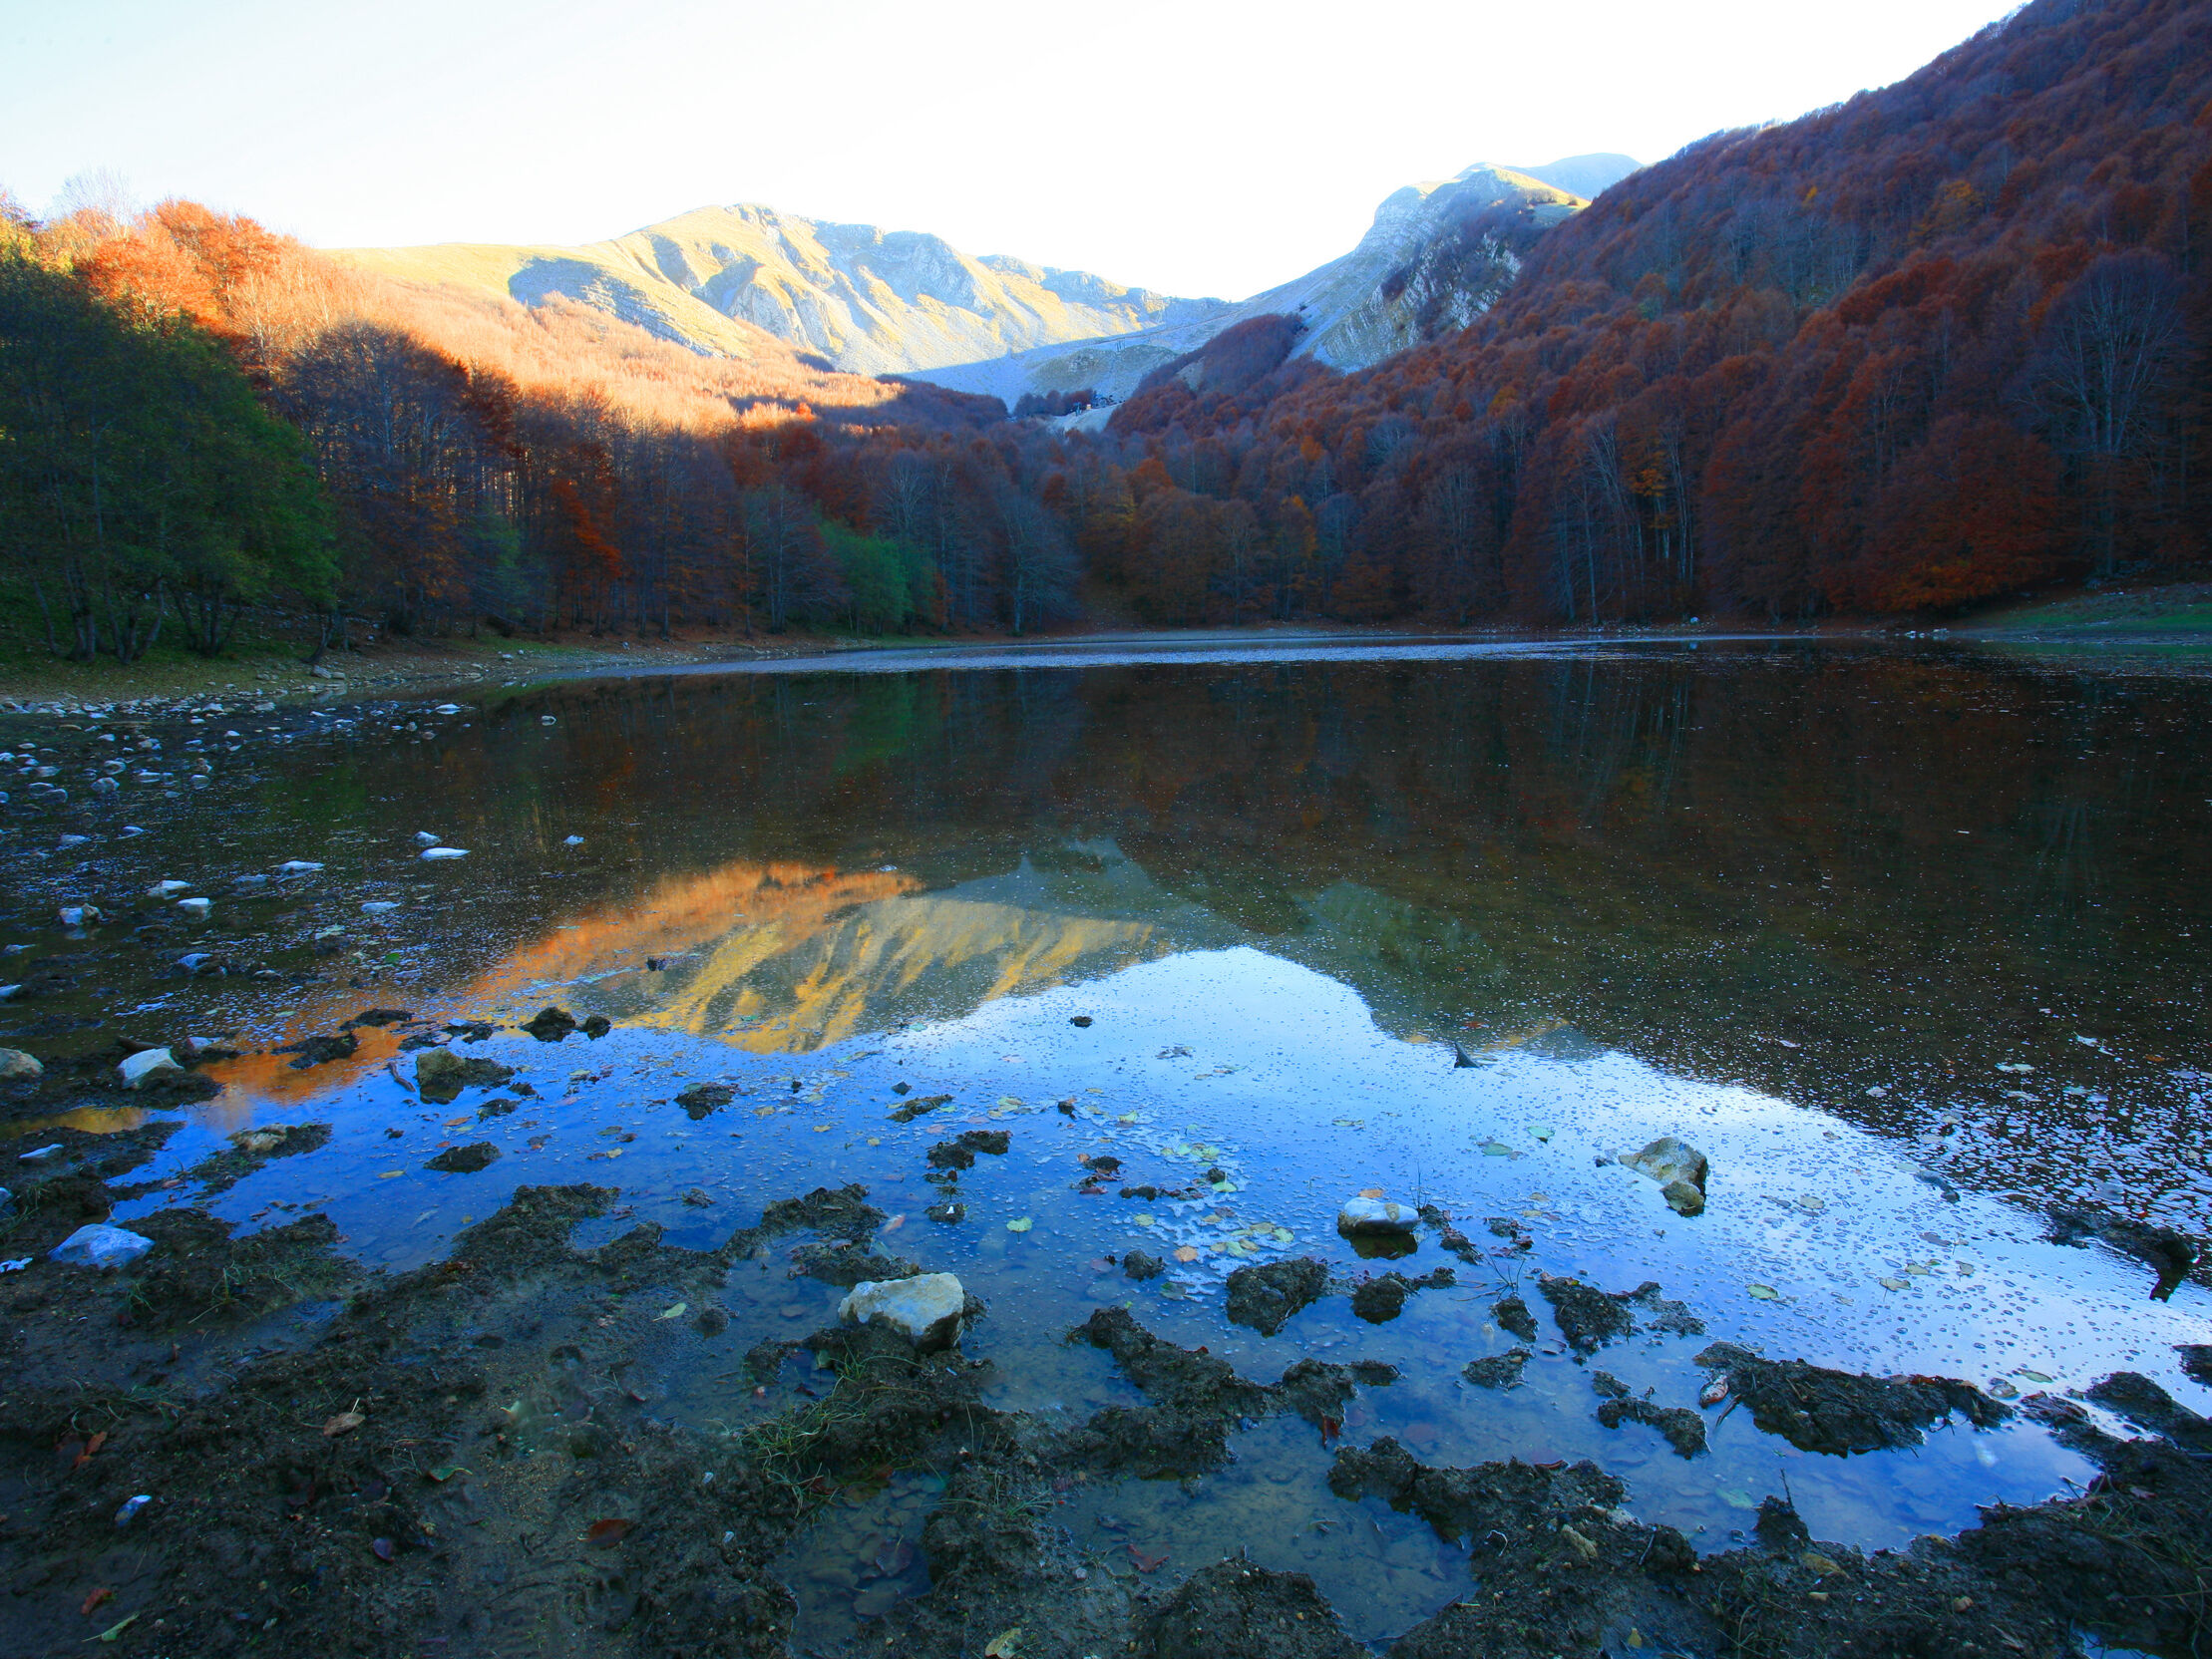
{"x":1909,"y":945}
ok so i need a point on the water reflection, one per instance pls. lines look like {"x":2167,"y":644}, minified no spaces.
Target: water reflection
{"x":1843,"y":919}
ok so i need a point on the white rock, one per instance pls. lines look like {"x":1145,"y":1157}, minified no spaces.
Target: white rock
{"x":447,"y":708}
{"x":423,"y":838}
{"x":161,"y":889}
{"x":573,"y":840}
{"x":15,"y":1064}
{"x":38,"y":1153}
{"x":296,"y":866}
{"x":99,"y":1245}
{"x":196,"y":908}
{"x":79,"y":915}
{"x":444,"y":853}
{"x":1375,"y":1218}
{"x":925,"y":1309}
{"x":377,"y":907}
{"x":147,"y":1063}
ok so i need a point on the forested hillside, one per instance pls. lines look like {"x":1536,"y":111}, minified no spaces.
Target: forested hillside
{"x":1914,"y":352}
{"x":1920,"y":349}
{"x":438,"y":461}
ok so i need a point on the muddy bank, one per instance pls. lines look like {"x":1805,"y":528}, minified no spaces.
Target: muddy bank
{"x":476,"y":1457}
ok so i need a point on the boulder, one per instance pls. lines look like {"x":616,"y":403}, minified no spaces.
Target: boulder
{"x":148,"y":1065}
{"x":16,"y":1066}
{"x":100,"y":1246}
{"x":925,"y":1309}
{"x":1376,"y":1219}
{"x":1678,"y":1168}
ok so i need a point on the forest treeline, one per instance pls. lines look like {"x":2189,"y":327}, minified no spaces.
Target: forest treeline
{"x":1929,"y":347}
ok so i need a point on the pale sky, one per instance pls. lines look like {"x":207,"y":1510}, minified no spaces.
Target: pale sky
{"x":1191,"y":147}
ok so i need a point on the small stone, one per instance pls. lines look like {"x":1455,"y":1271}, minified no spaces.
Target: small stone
{"x":1140,"y":1266}
{"x":16,"y":1066}
{"x":103,"y":1246}
{"x":148,"y":1065}
{"x":1364,"y":1218}
{"x":1678,"y":1168}
{"x":465,"y":1161}
{"x":925,"y":1309}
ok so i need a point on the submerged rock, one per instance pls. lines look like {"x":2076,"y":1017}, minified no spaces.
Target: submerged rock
{"x":703,"y":1098}
{"x":2172,"y":1255}
{"x":847,"y":1263}
{"x":1678,"y":1168}
{"x":465,"y":1161}
{"x":960,"y":1153}
{"x":1838,"y":1411}
{"x":913,"y":1108}
{"x":949,"y":1213}
{"x":925,"y":1309}
{"x":441,"y":1074}
{"x":1264,"y":1298}
{"x":2152,"y":1409}
{"x":550,"y":1023}
{"x":315,"y":1051}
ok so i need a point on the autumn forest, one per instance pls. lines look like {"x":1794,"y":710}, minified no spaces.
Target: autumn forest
{"x":1939,"y":345}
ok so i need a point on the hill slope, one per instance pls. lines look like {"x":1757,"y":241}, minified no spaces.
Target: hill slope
{"x":866,"y":300}
{"x":1437,"y":255}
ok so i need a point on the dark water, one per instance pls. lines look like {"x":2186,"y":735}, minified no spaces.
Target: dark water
{"x":1909,"y":945}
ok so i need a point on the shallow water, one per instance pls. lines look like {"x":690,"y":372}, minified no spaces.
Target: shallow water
{"x":1907,"y":944}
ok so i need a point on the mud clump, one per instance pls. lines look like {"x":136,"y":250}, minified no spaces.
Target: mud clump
{"x":1382,"y":1299}
{"x":1838,"y":1411}
{"x":318,"y":1051}
{"x":465,"y":1161}
{"x":1499,"y":1371}
{"x":1514,"y":1318}
{"x":1590,"y":1318}
{"x":251,"y":1149}
{"x":1139,"y":1266}
{"x":1264,"y":1298}
{"x":2152,"y":1409}
{"x":1684,"y":1428}
{"x":918,"y":1107}
{"x":1235,"y":1607}
{"x":2173,"y":1256}
{"x":847,"y":1264}
{"x":960,"y":1153}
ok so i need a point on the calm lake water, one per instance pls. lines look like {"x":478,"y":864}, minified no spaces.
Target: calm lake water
{"x":1909,"y":944}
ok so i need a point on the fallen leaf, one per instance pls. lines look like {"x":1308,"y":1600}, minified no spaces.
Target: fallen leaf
{"x":675,"y":1312}
{"x":1370,"y":1191}
{"x":604,"y":1534}
{"x":115,"y":1630}
{"x":343,"y":1424}
{"x":1145,"y":1562}
{"x":2031,"y":1376}
{"x":446,"y":1471}
{"x":102,"y":1594}
{"x":1767,"y":1293}
{"x":1736,"y":1498}
{"x":382,"y":1547}
{"x":1142,"y":1221}
{"x":1892,"y":1284}
{"x":91,"y":1446}
{"x":390,"y":1175}
{"x":1003,"y":1644}
{"x":1820,"y":1563}
{"x":1020,"y":1225}
{"x":1186,"y":1253}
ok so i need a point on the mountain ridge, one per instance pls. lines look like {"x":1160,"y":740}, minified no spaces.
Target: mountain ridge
{"x":864,"y":299}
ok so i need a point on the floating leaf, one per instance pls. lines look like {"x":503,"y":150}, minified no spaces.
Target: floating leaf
{"x":2031,"y":1376}
{"x":1142,"y":1221}
{"x":1186,"y":1253}
{"x":1370,"y":1191}
{"x":1765,"y":1293}
{"x":343,"y":1424}
{"x":390,"y":1175}
{"x":605,"y":1534}
{"x":1020,"y":1223}
{"x":1736,"y":1498}
{"x":675,"y":1312}
{"x":1893,"y":1284}
{"x":1147,"y":1563}
{"x":1003,"y":1644}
